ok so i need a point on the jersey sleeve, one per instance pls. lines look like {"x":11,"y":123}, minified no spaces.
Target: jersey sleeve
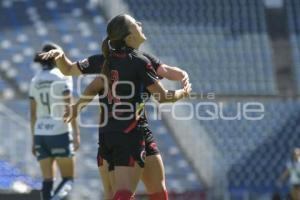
{"x":91,"y":65}
{"x":156,"y":63}
{"x":147,"y":73}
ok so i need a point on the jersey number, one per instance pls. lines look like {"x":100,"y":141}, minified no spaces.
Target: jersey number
{"x":114,"y":78}
{"x":45,"y":100}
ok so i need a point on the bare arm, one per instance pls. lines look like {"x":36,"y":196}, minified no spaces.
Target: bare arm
{"x":162,"y":95}
{"x":32,"y":121}
{"x":65,"y":65}
{"x":88,"y":95}
{"x":76,"y":132}
{"x":171,"y":73}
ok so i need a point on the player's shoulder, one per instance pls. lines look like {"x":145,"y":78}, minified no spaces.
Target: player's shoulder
{"x":37,"y":76}
{"x":94,"y":58}
{"x":91,"y":64}
{"x":140,"y":57}
{"x":97,"y":57}
{"x":56,"y":74}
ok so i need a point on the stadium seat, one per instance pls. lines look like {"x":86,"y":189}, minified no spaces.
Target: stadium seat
{"x":223,"y":45}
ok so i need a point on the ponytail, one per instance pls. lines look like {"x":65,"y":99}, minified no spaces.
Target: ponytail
{"x":117,"y":30}
{"x":105,"y":51}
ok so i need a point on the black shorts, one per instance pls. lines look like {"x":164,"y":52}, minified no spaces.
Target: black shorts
{"x":53,"y":146}
{"x":129,"y":147}
{"x":150,"y":143}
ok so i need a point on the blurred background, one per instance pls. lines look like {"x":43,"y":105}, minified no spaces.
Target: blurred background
{"x":240,"y":50}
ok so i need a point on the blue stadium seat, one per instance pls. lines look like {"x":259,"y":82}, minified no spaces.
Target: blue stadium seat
{"x":10,"y":175}
{"x":292,"y":8}
{"x":223,"y":45}
{"x":256,"y":151}
{"x":26,"y":25}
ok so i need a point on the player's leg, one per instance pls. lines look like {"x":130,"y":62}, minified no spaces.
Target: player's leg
{"x":46,"y":163}
{"x":128,"y":153}
{"x":153,"y":176}
{"x":63,"y":150}
{"x":104,"y":173}
{"x":126,"y":180}
{"x":104,"y":157}
{"x":67,"y":171}
{"x":48,"y":172}
{"x":112,"y":180}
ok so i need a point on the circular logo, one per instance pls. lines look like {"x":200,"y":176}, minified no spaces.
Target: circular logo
{"x":143,"y":155}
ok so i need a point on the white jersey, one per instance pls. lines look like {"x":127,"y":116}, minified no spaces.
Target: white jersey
{"x":294,"y":170}
{"x":47,"y":88}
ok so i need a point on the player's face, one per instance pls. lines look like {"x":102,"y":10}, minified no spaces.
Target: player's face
{"x":136,"y":31}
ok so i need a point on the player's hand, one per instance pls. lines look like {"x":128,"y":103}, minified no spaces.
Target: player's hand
{"x":187,"y":89}
{"x":76,"y":142}
{"x":185,"y":80}
{"x":54,"y":53}
{"x":70,"y":113}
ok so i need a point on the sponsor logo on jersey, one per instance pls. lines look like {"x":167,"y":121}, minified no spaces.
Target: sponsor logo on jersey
{"x":143,"y":155}
{"x":84,"y":63}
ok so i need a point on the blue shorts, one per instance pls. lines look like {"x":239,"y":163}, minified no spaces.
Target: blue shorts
{"x":53,"y":146}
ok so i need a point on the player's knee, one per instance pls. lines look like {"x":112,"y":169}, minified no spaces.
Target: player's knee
{"x":123,"y":195}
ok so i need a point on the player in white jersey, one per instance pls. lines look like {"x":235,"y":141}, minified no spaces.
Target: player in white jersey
{"x":292,"y":172}
{"x":52,"y":139}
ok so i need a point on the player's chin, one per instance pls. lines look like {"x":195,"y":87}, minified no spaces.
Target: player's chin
{"x":144,"y":38}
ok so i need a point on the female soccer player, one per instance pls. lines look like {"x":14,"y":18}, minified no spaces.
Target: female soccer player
{"x":292,"y":172}
{"x":52,"y":139}
{"x":153,"y":175}
{"x":122,"y":140}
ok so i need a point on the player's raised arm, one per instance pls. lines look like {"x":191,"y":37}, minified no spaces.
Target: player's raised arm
{"x":173,"y":73}
{"x":168,"y":72}
{"x":65,"y":65}
{"x":163,"y":96}
{"x":147,"y":75}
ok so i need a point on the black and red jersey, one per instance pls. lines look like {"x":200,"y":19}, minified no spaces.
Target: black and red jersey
{"x":93,"y":64}
{"x":130,"y":65}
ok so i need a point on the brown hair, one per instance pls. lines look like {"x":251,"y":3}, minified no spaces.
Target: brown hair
{"x":117,"y":30}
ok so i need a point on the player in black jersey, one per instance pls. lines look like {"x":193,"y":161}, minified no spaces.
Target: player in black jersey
{"x":153,"y":175}
{"x":121,"y":136}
